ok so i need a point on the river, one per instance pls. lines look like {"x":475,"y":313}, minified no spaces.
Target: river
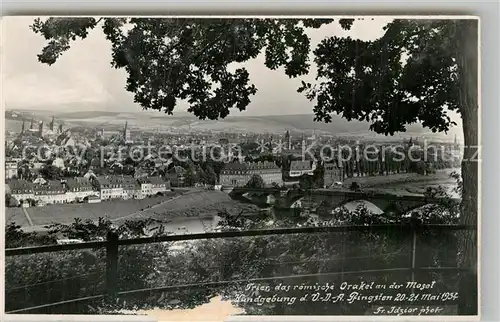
{"x":409,"y":188}
{"x":194,"y":225}
{"x":191,"y":225}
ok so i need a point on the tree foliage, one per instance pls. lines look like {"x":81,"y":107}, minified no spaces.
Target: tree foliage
{"x":168,"y":60}
{"x":418,"y":71}
{"x":355,"y":186}
{"x":46,"y":278}
{"x":256,"y":182}
{"x":51,"y":172}
{"x":408,"y":75}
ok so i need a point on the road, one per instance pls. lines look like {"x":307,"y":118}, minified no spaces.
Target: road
{"x":192,"y":211}
{"x":152,"y":207}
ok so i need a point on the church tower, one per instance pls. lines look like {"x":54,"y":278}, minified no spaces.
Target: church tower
{"x":22,"y":128}
{"x":288,"y":140}
{"x":51,"y":125}
{"x":455,"y":143}
{"x":32,"y":124}
{"x":40,"y":129}
{"x":126,"y":133}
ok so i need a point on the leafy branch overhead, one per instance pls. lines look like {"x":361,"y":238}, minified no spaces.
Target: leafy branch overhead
{"x":411,"y":74}
{"x":187,"y":59}
{"x":408,"y":75}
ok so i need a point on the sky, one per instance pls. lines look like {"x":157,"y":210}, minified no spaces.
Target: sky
{"x":83,"y":79}
{"x":83,"y":75}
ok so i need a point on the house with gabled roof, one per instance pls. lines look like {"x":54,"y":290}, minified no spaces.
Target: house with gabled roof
{"x":110,"y":187}
{"x":78,"y":188}
{"x":176,"y":176}
{"x":237,"y":174}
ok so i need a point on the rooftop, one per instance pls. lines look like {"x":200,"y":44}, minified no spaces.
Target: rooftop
{"x":335,"y":163}
{"x":300,"y":165}
{"x":20,"y":184}
{"x":247,"y":166}
{"x":156,"y":180}
{"x":78,"y":182}
{"x":50,"y":186}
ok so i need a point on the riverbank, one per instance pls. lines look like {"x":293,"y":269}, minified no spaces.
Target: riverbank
{"x":199,"y":204}
{"x":441,"y":176}
{"x":191,"y":204}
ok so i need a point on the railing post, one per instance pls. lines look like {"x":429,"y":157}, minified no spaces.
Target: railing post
{"x":112,"y":264}
{"x":413,"y":255}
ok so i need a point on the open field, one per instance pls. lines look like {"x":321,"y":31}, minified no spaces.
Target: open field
{"x":16,"y":215}
{"x":189,"y":204}
{"x":198,"y":203}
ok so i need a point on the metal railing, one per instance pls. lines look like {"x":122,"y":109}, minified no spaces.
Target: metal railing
{"x":113,"y":243}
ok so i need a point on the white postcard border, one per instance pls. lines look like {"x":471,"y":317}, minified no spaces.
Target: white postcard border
{"x":253,"y":318}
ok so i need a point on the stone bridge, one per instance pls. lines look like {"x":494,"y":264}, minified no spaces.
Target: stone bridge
{"x":386,"y":202}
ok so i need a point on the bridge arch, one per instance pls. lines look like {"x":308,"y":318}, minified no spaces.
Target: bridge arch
{"x":351,"y":205}
{"x":295,"y":202}
{"x":295,"y":197}
{"x":387,"y":203}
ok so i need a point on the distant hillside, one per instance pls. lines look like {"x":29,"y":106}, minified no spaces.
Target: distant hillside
{"x":19,"y":116}
{"x":256,"y":124}
{"x":86,"y":114}
{"x":306,"y":122}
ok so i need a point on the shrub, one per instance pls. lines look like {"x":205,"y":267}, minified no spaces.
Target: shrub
{"x":38,"y":279}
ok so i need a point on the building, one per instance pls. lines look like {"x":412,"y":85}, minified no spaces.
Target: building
{"x":176,"y":176}
{"x":93,"y":199}
{"x":106,"y":135}
{"x":39,"y":180}
{"x":146,"y":187}
{"x":238,"y":174}
{"x":158,"y":185}
{"x":140,"y":172}
{"x":109,"y":187}
{"x":40,"y":129}
{"x":58,"y":163}
{"x":78,"y":188}
{"x":10,"y":169}
{"x":65,"y":139}
{"x":288,"y":141}
{"x":21,"y":190}
{"x":51,"y":124}
{"x":299,"y":168}
{"x":54,"y":129}
{"x":90,"y":175}
{"x":36,"y":165}
{"x":126,"y":134}
{"x":131,"y":188}
{"x":53,"y":192}
{"x":334,"y":172}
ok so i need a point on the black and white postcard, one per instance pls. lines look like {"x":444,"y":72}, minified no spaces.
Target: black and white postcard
{"x":214,"y":168}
